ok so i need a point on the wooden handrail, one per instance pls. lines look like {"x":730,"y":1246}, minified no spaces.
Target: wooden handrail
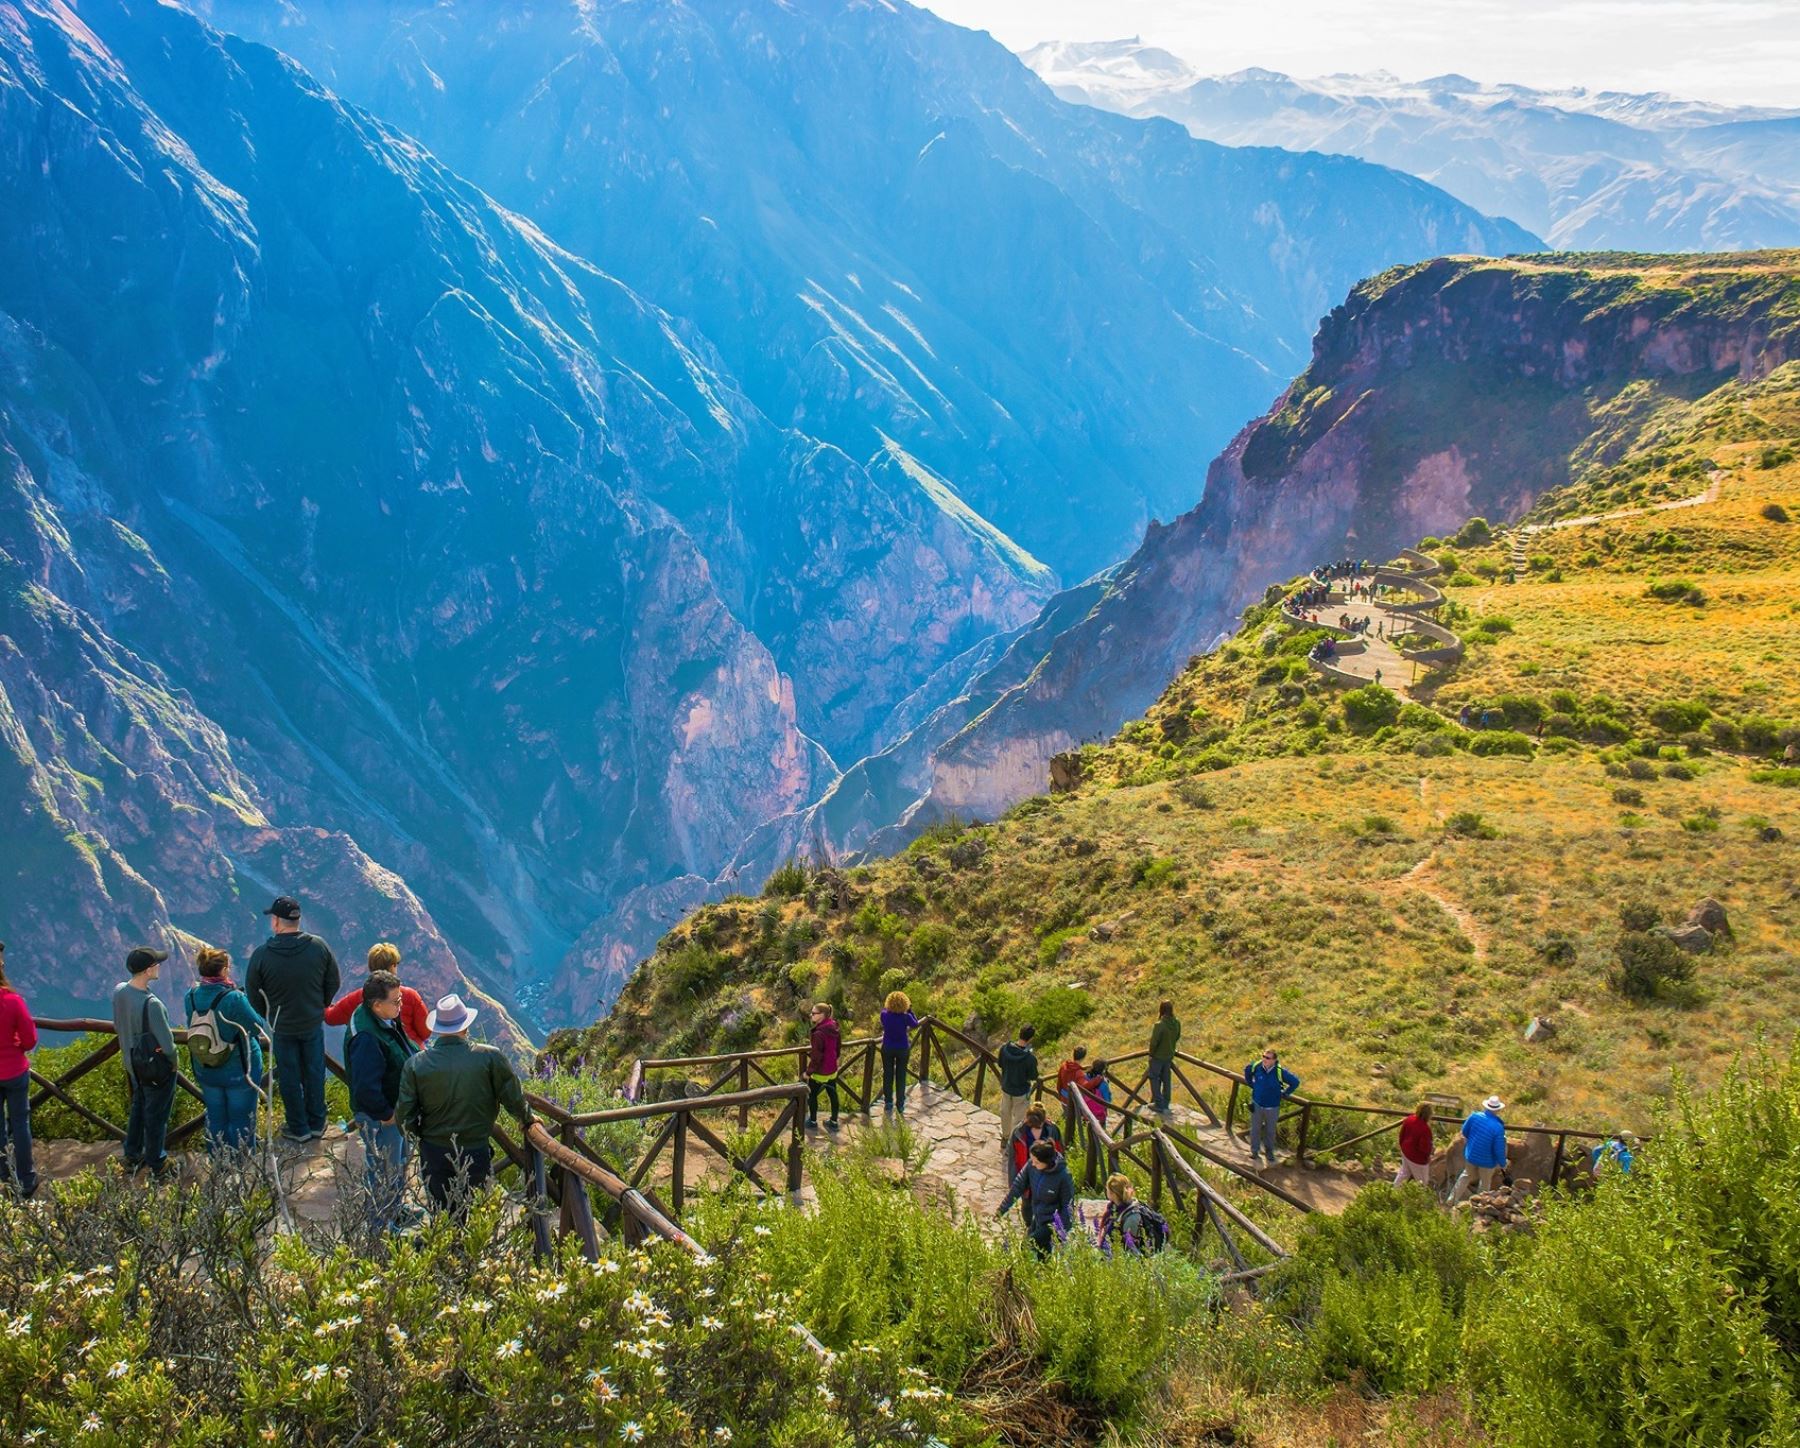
{"x":725,"y":1100}
{"x":627,"y":1196}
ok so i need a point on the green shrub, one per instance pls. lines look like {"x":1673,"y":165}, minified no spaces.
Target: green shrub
{"x":1775,"y":513}
{"x":1379,"y":1292}
{"x":786,"y":882}
{"x":1501,"y":741}
{"x":1106,"y":1325}
{"x":1370,"y":708}
{"x":1476,"y":533}
{"x":101,"y":1091}
{"x":1469,"y":824}
{"x":1675,"y":590}
{"x":1677,"y":716}
{"x":1785,"y":778}
{"x":1153,"y":872}
{"x":1664,"y":1308}
{"x":1700,"y":824}
{"x":1626,"y":795}
{"x":1494,"y":625}
{"x":1417,"y":716}
{"x":1649,"y":966}
{"x":930,"y":944}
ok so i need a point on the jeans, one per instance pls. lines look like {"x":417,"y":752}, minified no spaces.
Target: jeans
{"x":442,"y":1166}
{"x":147,"y":1124}
{"x":384,"y":1155}
{"x":230,"y":1115}
{"x":893,"y":1075}
{"x":15,"y":1102}
{"x":1043,"y":1240}
{"x":816,"y":1084}
{"x":1162,"y":1084}
{"x":300,"y":1073}
{"x":1262,"y":1130}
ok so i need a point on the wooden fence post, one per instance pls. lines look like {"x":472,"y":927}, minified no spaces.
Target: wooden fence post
{"x":678,"y":1167}
{"x":796,"y":1148}
{"x":744,"y":1085}
{"x":869,"y":1079}
{"x":1556,"y":1164}
{"x":540,"y":1224}
{"x":1231,"y":1111}
{"x":1305,"y":1125}
{"x":1156,"y":1175}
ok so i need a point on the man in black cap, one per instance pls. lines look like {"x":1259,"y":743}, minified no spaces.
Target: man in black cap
{"x":293,"y":976}
{"x":137,"y":1013}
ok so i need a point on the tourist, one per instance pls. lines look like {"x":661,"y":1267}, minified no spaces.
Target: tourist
{"x":18,"y":1039}
{"x":292,"y":978}
{"x":1072,"y":1071}
{"x":384,"y":955}
{"x":1417,"y":1146}
{"x":1618,"y":1153}
{"x":142,"y":1024}
{"x":822,"y":1064}
{"x":224,"y":1040}
{"x":897,"y":1025}
{"x":1096,"y":1090}
{"x":1046,"y":1178}
{"x":1037,"y":1126}
{"x":1484,"y":1149}
{"x":376,"y":1058}
{"x":1018,"y":1079}
{"x":1164,"y":1036}
{"x":1270,"y":1084}
{"x":451,"y":1093}
{"x":1127,"y":1224}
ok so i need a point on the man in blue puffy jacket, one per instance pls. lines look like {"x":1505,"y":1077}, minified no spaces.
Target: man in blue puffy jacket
{"x":1484,"y":1149}
{"x":1270,"y":1083}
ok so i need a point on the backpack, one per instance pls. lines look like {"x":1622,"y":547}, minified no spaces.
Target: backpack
{"x":1151,"y":1234}
{"x":206,"y":1033}
{"x":149,"y":1066}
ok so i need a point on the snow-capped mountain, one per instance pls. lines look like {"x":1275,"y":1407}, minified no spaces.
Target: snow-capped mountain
{"x":1585,"y":169}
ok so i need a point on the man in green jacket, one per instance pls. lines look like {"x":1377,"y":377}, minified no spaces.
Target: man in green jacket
{"x":1163,"y":1038}
{"x":450,"y":1096}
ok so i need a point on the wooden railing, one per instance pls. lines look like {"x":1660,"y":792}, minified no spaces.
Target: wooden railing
{"x":554,"y":1152}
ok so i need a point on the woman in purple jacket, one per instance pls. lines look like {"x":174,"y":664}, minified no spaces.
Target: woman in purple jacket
{"x":897,"y":1025}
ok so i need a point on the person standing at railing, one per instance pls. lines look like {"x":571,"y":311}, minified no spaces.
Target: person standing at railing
{"x":1037,"y":1126}
{"x":1047,"y":1182}
{"x":1164,"y":1036}
{"x":376,"y":1059}
{"x":822,"y":1064}
{"x":18,"y":1038}
{"x":897,"y":1025}
{"x":1417,"y":1146}
{"x":1484,"y":1149}
{"x":1270,"y":1083}
{"x":1018,"y":1079}
{"x":451,"y":1094}
{"x":1097,"y":1091}
{"x":148,"y":1046}
{"x":225,"y":1036}
{"x":384,"y":955}
{"x":292,"y":978}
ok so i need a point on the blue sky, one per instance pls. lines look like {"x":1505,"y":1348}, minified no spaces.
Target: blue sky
{"x":1727,"y":50}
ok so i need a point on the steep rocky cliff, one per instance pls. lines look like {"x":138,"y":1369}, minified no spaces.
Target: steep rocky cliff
{"x":1459,"y":387}
{"x":357,"y":540}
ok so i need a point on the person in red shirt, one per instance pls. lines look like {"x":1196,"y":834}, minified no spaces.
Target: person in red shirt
{"x":18,"y":1037}
{"x":1417,"y":1146}
{"x":383,"y":956}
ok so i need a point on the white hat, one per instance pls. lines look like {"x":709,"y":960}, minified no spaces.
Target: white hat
{"x":1493,"y":1103}
{"x":451,"y":1018}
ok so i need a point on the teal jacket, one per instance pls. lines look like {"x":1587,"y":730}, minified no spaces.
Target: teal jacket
{"x":233,"y":1007}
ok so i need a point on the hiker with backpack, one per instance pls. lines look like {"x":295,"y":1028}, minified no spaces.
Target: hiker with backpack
{"x":822,"y":1049}
{"x":224,"y":1040}
{"x":1270,"y":1083}
{"x":897,"y":1025}
{"x":384,"y":955}
{"x":141,"y":1023}
{"x":1129,"y":1225}
{"x":376,"y":1059}
{"x":292,"y":978}
{"x":1046,"y":1180}
{"x":18,"y":1039}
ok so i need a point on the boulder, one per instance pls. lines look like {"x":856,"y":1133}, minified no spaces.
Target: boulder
{"x":1694,"y":939}
{"x":1710,"y":916}
{"x":1540,"y":1029}
{"x":1065,"y":771}
{"x":1103,"y":931}
{"x":1769,"y":834}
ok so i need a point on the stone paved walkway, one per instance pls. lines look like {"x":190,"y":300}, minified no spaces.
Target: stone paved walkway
{"x":966,"y":1156}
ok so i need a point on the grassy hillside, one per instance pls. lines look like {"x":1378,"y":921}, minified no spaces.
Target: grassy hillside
{"x":1388,"y":896}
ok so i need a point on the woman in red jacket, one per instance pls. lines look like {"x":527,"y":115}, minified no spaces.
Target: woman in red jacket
{"x":383,"y":956}
{"x":18,"y":1037}
{"x":1417,"y":1146}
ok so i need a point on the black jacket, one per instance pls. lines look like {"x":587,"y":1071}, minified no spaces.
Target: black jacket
{"x":1018,"y":1069}
{"x":292,"y":978}
{"x":375,"y":1057}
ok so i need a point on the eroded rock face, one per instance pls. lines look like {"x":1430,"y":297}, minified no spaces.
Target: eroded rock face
{"x":357,"y":541}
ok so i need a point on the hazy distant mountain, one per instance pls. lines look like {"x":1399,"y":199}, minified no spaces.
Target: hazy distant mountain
{"x":1584,"y":169}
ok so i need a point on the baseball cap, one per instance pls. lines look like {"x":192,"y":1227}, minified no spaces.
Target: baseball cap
{"x":283,"y":907}
{"x":142,"y":957}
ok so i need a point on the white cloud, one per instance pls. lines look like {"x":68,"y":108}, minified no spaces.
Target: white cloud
{"x":1745,"y":51}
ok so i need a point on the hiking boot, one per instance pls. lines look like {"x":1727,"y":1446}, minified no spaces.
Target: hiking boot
{"x":295,"y":1138}
{"x":812,"y":1123}
{"x":832,"y":1124}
